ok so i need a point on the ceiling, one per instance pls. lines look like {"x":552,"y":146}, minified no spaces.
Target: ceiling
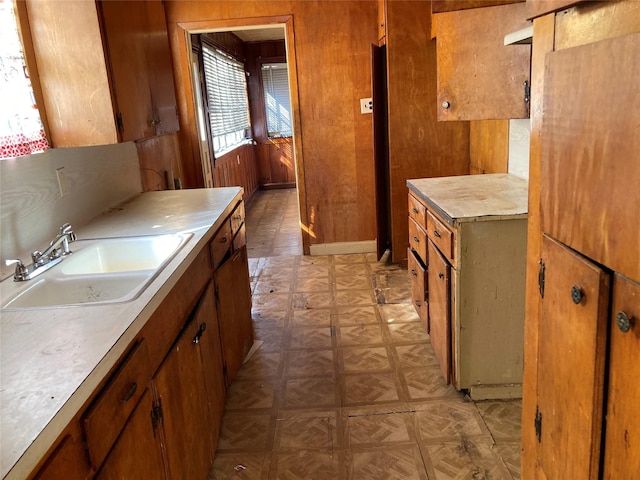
{"x":260,"y":34}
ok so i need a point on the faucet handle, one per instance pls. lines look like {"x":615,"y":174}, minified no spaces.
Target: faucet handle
{"x":21,"y":271}
{"x":66,"y":230}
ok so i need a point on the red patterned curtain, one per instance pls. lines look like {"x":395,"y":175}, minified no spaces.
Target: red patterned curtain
{"x":21,"y":131}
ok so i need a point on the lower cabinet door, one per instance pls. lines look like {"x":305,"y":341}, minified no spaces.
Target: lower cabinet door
{"x":622,"y":445}
{"x":572,"y":337}
{"x":418,"y":278}
{"x":137,"y":452}
{"x":181,"y":391}
{"x":439,"y":281}
{"x":234,"y":311}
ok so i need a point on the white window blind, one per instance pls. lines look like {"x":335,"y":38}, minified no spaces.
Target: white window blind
{"x":227,"y":99}
{"x":275,"y":83}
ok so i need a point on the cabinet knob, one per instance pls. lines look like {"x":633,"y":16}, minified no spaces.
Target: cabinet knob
{"x":416,"y":239}
{"x":576,"y":294}
{"x":446,"y":105}
{"x":440,"y":275}
{"x":414,"y":273}
{"x":624,"y":322}
{"x":436,"y":233}
{"x":133,"y":386}
{"x":415,"y":210}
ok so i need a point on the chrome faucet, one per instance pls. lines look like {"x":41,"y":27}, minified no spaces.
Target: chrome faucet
{"x":42,"y":261}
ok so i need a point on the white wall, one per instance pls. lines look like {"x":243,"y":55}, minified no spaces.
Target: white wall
{"x":31,"y":208}
{"x":519,"y":137}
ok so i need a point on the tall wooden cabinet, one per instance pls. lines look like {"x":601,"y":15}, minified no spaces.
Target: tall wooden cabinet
{"x":105,"y":70}
{"x":579,"y":415}
{"x":469,"y":234}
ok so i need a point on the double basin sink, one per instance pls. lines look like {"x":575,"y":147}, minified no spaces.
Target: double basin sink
{"x":99,"y":271}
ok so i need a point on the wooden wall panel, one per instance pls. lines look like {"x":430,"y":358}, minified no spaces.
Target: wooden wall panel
{"x":237,"y":168}
{"x":332,"y":44}
{"x":489,"y":146}
{"x":419,"y":146}
{"x":159,"y":162}
{"x":438,"y":6}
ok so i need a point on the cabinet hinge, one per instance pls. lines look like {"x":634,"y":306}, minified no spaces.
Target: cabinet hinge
{"x":156,"y":415}
{"x":120,"y":122}
{"x":527,"y":97}
{"x":537,"y":423}
{"x":541,"y":275}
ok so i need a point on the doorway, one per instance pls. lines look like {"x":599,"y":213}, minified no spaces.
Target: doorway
{"x":273,"y":140}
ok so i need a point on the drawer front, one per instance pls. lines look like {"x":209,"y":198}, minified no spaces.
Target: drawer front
{"x":237,"y":218}
{"x":108,"y":414}
{"x":417,"y":211}
{"x":418,"y":278}
{"x":418,"y":240}
{"x":440,"y":235}
{"x":221,"y":244}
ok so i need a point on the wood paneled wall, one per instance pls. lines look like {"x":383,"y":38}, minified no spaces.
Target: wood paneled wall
{"x":332,"y":63}
{"x":419,"y":146}
{"x":237,"y":168}
{"x":489,"y":146}
{"x":159,"y":162}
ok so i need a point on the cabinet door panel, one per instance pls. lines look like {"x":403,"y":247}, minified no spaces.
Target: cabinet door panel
{"x":622,"y":446}
{"x":418,"y":240}
{"x":234,"y":311}
{"x":418,"y":278}
{"x":571,"y":360}
{"x":137,"y":453}
{"x":439,"y":280}
{"x":590,"y":152}
{"x":478,"y":76}
{"x":181,"y":389}
{"x":124,"y":24}
{"x":161,"y":82}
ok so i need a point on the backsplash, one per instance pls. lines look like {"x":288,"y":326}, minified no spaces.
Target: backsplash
{"x":519,"y":137}
{"x":31,"y":208}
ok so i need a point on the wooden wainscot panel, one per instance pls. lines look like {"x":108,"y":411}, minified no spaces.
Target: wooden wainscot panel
{"x":590,"y":174}
{"x":478,"y":76}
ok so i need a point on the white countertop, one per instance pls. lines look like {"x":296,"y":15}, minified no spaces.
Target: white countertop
{"x":51,"y":360}
{"x":471,"y":198}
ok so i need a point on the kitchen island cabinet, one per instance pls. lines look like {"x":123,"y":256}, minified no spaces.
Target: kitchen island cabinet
{"x":126,"y":365}
{"x":105,"y":70}
{"x":472,"y":242}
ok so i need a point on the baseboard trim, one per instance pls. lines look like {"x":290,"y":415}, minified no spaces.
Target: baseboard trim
{"x":343,"y":248}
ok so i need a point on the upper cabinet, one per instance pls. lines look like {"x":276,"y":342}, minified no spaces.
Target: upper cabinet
{"x":105,"y":70}
{"x":480,"y":78}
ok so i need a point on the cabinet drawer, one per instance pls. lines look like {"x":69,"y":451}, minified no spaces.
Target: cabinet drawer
{"x":220,"y":244}
{"x":418,"y":277}
{"x":418,"y":240}
{"x":440,"y":235}
{"x":417,"y":211}
{"x":109,"y":412}
{"x":237,"y":218}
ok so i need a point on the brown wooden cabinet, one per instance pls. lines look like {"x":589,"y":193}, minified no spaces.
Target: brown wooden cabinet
{"x":105,"y":70}
{"x":478,"y":76}
{"x":583,"y":299}
{"x":159,"y":412}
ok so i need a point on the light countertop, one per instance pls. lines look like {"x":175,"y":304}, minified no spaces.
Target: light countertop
{"x":52,"y":359}
{"x":472,"y":198}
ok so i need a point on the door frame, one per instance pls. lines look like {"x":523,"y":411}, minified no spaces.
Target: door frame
{"x":185,"y":29}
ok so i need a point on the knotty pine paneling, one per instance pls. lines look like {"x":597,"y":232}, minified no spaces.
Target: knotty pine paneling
{"x":419,"y":146}
{"x":331,"y":41}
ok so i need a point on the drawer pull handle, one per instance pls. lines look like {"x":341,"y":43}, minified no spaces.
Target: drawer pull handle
{"x":203,"y":327}
{"x":436,"y":233}
{"x":441,"y":275}
{"x":624,"y":322}
{"x":416,"y":239}
{"x":414,"y":273}
{"x":130,"y":393}
{"x":223,"y":240}
{"x":415,"y":210}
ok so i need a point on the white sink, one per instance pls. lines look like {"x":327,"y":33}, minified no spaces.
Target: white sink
{"x":99,"y":271}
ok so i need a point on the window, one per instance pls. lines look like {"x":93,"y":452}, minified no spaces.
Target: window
{"x":21,"y":131}
{"x":226,"y":87}
{"x":275,"y":84}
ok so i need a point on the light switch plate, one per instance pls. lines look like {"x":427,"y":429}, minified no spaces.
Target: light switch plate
{"x":366,"y":105}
